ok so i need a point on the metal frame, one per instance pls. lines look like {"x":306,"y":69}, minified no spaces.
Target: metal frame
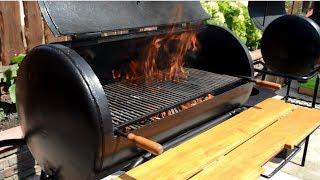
{"x":315,"y":72}
{"x":289,"y":78}
{"x":288,"y":159}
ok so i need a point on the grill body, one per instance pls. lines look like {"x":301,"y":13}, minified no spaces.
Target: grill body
{"x":70,"y":107}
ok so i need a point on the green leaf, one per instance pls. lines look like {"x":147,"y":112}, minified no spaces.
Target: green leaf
{"x":235,"y":16}
{"x":8,"y":76}
{"x":12,"y":93}
{"x":18,"y":59}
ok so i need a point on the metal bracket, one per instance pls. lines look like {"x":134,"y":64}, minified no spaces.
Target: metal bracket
{"x":294,"y":152}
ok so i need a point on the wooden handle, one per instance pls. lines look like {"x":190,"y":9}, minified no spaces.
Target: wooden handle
{"x":268,"y":84}
{"x":146,"y":144}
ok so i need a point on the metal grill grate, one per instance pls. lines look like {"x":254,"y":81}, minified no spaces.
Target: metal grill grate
{"x":130,"y":102}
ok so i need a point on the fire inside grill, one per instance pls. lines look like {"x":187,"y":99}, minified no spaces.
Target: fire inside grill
{"x":135,"y":103}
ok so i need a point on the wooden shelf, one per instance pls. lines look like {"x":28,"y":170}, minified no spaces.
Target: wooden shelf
{"x":187,"y":159}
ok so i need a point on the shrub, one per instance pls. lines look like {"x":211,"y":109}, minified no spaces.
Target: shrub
{"x":235,"y":16}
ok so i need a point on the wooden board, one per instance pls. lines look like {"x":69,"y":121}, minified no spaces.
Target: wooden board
{"x":33,"y":24}
{"x":11,"y":42}
{"x":189,"y":158}
{"x":255,"y":152}
{"x":307,"y":91}
{"x":310,"y":120}
{"x":49,"y":37}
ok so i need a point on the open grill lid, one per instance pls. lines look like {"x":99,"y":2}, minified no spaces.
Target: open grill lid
{"x":71,"y":18}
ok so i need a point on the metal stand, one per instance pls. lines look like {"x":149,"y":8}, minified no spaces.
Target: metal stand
{"x":305,"y":150}
{"x":289,"y":78}
{"x":294,"y":152}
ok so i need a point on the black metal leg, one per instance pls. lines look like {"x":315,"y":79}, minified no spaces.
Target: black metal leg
{"x":315,"y":92}
{"x":305,"y":150}
{"x":263,"y":77}
{"x":295,"y":151}
{"x":288,"y":89}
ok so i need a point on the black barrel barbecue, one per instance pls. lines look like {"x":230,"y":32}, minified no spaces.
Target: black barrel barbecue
{"x":79,"y":122}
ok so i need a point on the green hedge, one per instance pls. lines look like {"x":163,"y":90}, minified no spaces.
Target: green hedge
{"x":235,"y":16}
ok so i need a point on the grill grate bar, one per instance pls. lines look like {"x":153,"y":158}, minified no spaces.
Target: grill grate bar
{"x":131,"y":102}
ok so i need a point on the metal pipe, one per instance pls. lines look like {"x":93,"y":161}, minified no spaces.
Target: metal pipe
{"x":288,"y":89}
{"x":296,"y":150}
{"x":315,"y":92}
{"x":12,"y":142}
{"x":305,"y":150}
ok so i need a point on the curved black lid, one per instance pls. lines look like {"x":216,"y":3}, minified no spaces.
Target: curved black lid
{"x":68,"y":18}
{"x":291,"y":45}
{"x":263,"y":13}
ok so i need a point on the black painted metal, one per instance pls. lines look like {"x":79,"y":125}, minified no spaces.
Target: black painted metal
{"x":12,"y":142}
{"x":64,"y":109}
{"x":289,"y":79}
{"x":278,"y":168}
{"x":76,"y":18}
{"x":291,"y":155}
{"x":305,"y":150}
{"x":288,"y":82}
{"x":60,"y":99}
{"x":315,"y":92}
{"x":64,"y":113}
{"x":291,"y":45}
{"x":304,"y":78}
{"x":214,"y":56}
{"x":263,"y":13}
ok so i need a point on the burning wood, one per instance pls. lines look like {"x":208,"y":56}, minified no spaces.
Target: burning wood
{"x":175,"y":110}
{"x":163,"y":57}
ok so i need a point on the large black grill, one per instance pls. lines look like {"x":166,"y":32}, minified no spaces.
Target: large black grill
{"x":71,"y":108}
{"x":131,"y":101}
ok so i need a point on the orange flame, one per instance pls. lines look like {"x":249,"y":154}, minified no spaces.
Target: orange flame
{"x":163,"y":58}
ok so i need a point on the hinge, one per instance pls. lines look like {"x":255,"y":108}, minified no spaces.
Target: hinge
{"x":86,"y":36}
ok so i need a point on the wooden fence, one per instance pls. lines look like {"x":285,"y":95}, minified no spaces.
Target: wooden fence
{"x":21,"y":29}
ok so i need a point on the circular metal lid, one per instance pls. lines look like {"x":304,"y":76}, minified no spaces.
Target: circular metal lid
{"x":291,"y":45}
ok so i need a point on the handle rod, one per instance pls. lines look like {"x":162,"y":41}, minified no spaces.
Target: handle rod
{"x":143,"y":143}
{"x":261,"y":83}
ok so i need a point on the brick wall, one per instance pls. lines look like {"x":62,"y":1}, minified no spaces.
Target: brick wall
{"x":18,"y":163}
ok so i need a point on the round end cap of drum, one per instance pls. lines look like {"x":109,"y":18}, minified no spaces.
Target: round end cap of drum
{"x":291,"y":45}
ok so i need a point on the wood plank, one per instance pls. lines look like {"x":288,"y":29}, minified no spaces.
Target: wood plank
{"x":261,"y":148}
{"x":11,"y":42}
{"x":34,"y":32}
{"x":49,"y":37}
{"x":307,"y":91}
{"x":187,"y":159}
{"x":243,"y":172}
{"x":310,"y":122}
